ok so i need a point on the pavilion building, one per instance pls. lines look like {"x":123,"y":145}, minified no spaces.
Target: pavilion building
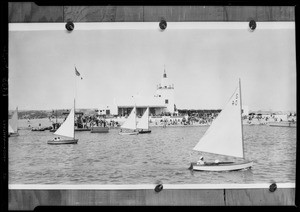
{"x":162,"y":102}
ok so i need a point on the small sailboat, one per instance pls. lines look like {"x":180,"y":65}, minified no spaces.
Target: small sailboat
{"x":225,"y":137}
{"x":13,"y":125}
{"x":130,"y":124}
{"x":66,"y":130}
{"x":143,"y":124}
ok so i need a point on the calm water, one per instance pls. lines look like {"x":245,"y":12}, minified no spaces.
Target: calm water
{"x":164,"y":155}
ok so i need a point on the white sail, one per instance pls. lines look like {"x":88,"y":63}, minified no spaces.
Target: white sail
{"x":130,"y":122}
{"x":10,"y":129}
{"x":13,"y":122}
{"x":67,"y":128}
{"x":144,"y":122}
{"x":224,"y":136}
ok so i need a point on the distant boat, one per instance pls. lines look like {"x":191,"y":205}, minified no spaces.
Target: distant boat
{"x":66,"y":130}
{"x":283,"y":124}
{"x":38,"y":129}
{"x":13,"y":125}
{"x":225,"y":137}
{"x":143,"y":124}
{"x":82,"y":129}
{"x":99,"y":129}
{"x":130,"y":124}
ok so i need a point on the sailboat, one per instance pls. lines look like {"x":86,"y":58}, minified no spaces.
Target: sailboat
{"x":66,"y":130}
{"x":130,"y":124}
{"x":225,"y":137}
{"x":143,"y":124}
{"x":13,"y":125}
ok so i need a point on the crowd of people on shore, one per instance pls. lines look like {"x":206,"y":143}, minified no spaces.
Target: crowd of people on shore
{"x":89,"y":121}
{"x":264,"y":119}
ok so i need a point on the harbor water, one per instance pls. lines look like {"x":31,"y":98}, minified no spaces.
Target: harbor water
{"x":164,"y":156}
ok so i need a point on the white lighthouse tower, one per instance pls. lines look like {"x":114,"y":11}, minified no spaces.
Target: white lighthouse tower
{"x":165,"y":91}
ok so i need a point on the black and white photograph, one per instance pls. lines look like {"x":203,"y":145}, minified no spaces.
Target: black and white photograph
{"x":138,"y":103}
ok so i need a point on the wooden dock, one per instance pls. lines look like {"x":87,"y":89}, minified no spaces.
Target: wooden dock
{"x":27,"y":197}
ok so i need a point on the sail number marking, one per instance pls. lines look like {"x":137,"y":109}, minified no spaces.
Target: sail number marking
{"x":234,"y":102}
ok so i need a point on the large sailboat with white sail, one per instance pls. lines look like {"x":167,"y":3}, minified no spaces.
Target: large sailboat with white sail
{"x":67,"y":129}
{"x":224,"y":137}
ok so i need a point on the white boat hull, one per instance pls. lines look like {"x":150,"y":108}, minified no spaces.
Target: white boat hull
{"x":222,"y":167}
{"x":128,"y":133}
{"x":69,"y":141}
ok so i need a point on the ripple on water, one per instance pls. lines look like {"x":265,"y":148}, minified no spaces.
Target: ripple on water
{"x":164,"y":155}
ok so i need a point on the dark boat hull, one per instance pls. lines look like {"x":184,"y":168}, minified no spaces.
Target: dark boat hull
{"x":66,"y":141}
{"x":37,"y":129}
{"x":82,"y":129}
{"x":13,"y":134}
{"x":99,"y":130}
{"x":144,"y":131}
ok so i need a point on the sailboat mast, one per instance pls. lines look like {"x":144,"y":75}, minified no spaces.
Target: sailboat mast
{"x":135,"y":115}
{"x":74,"y":102}
{"x":17,"y":119}
{"x":241,"y":117}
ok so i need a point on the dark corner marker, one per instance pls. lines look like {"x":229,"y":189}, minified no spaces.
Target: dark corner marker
{"x":158,"y":188}
{"x":162,"y":24}
{"x":70,"y":26}
{"x":272,"y":187}
{"x":252,"y":25}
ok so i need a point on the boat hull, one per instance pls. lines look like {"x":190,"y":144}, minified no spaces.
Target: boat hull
{"x":82,"y":129}
{"x":38,"y":130}
{"x":229,"y":166}
{"x":144,"y":131}
{"x":128,"y":133}
{"x":13,"y":134}
{"x":283,"y":124}
{"x":99,"y":130}
{"x":66,"y":141}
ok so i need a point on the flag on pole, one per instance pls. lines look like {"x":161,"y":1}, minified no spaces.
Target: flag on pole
{"x":77,"y":72}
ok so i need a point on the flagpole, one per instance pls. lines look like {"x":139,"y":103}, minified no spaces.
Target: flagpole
{"x":240,"y":91}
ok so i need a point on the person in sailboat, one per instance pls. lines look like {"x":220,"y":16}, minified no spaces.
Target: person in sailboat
{"x":201,"y":161}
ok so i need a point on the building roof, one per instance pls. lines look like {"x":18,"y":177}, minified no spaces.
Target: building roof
{"x":141,"y":102}
{"x":143,"y":106}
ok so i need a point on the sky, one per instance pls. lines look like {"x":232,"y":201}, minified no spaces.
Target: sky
{"x":203,"y":64}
